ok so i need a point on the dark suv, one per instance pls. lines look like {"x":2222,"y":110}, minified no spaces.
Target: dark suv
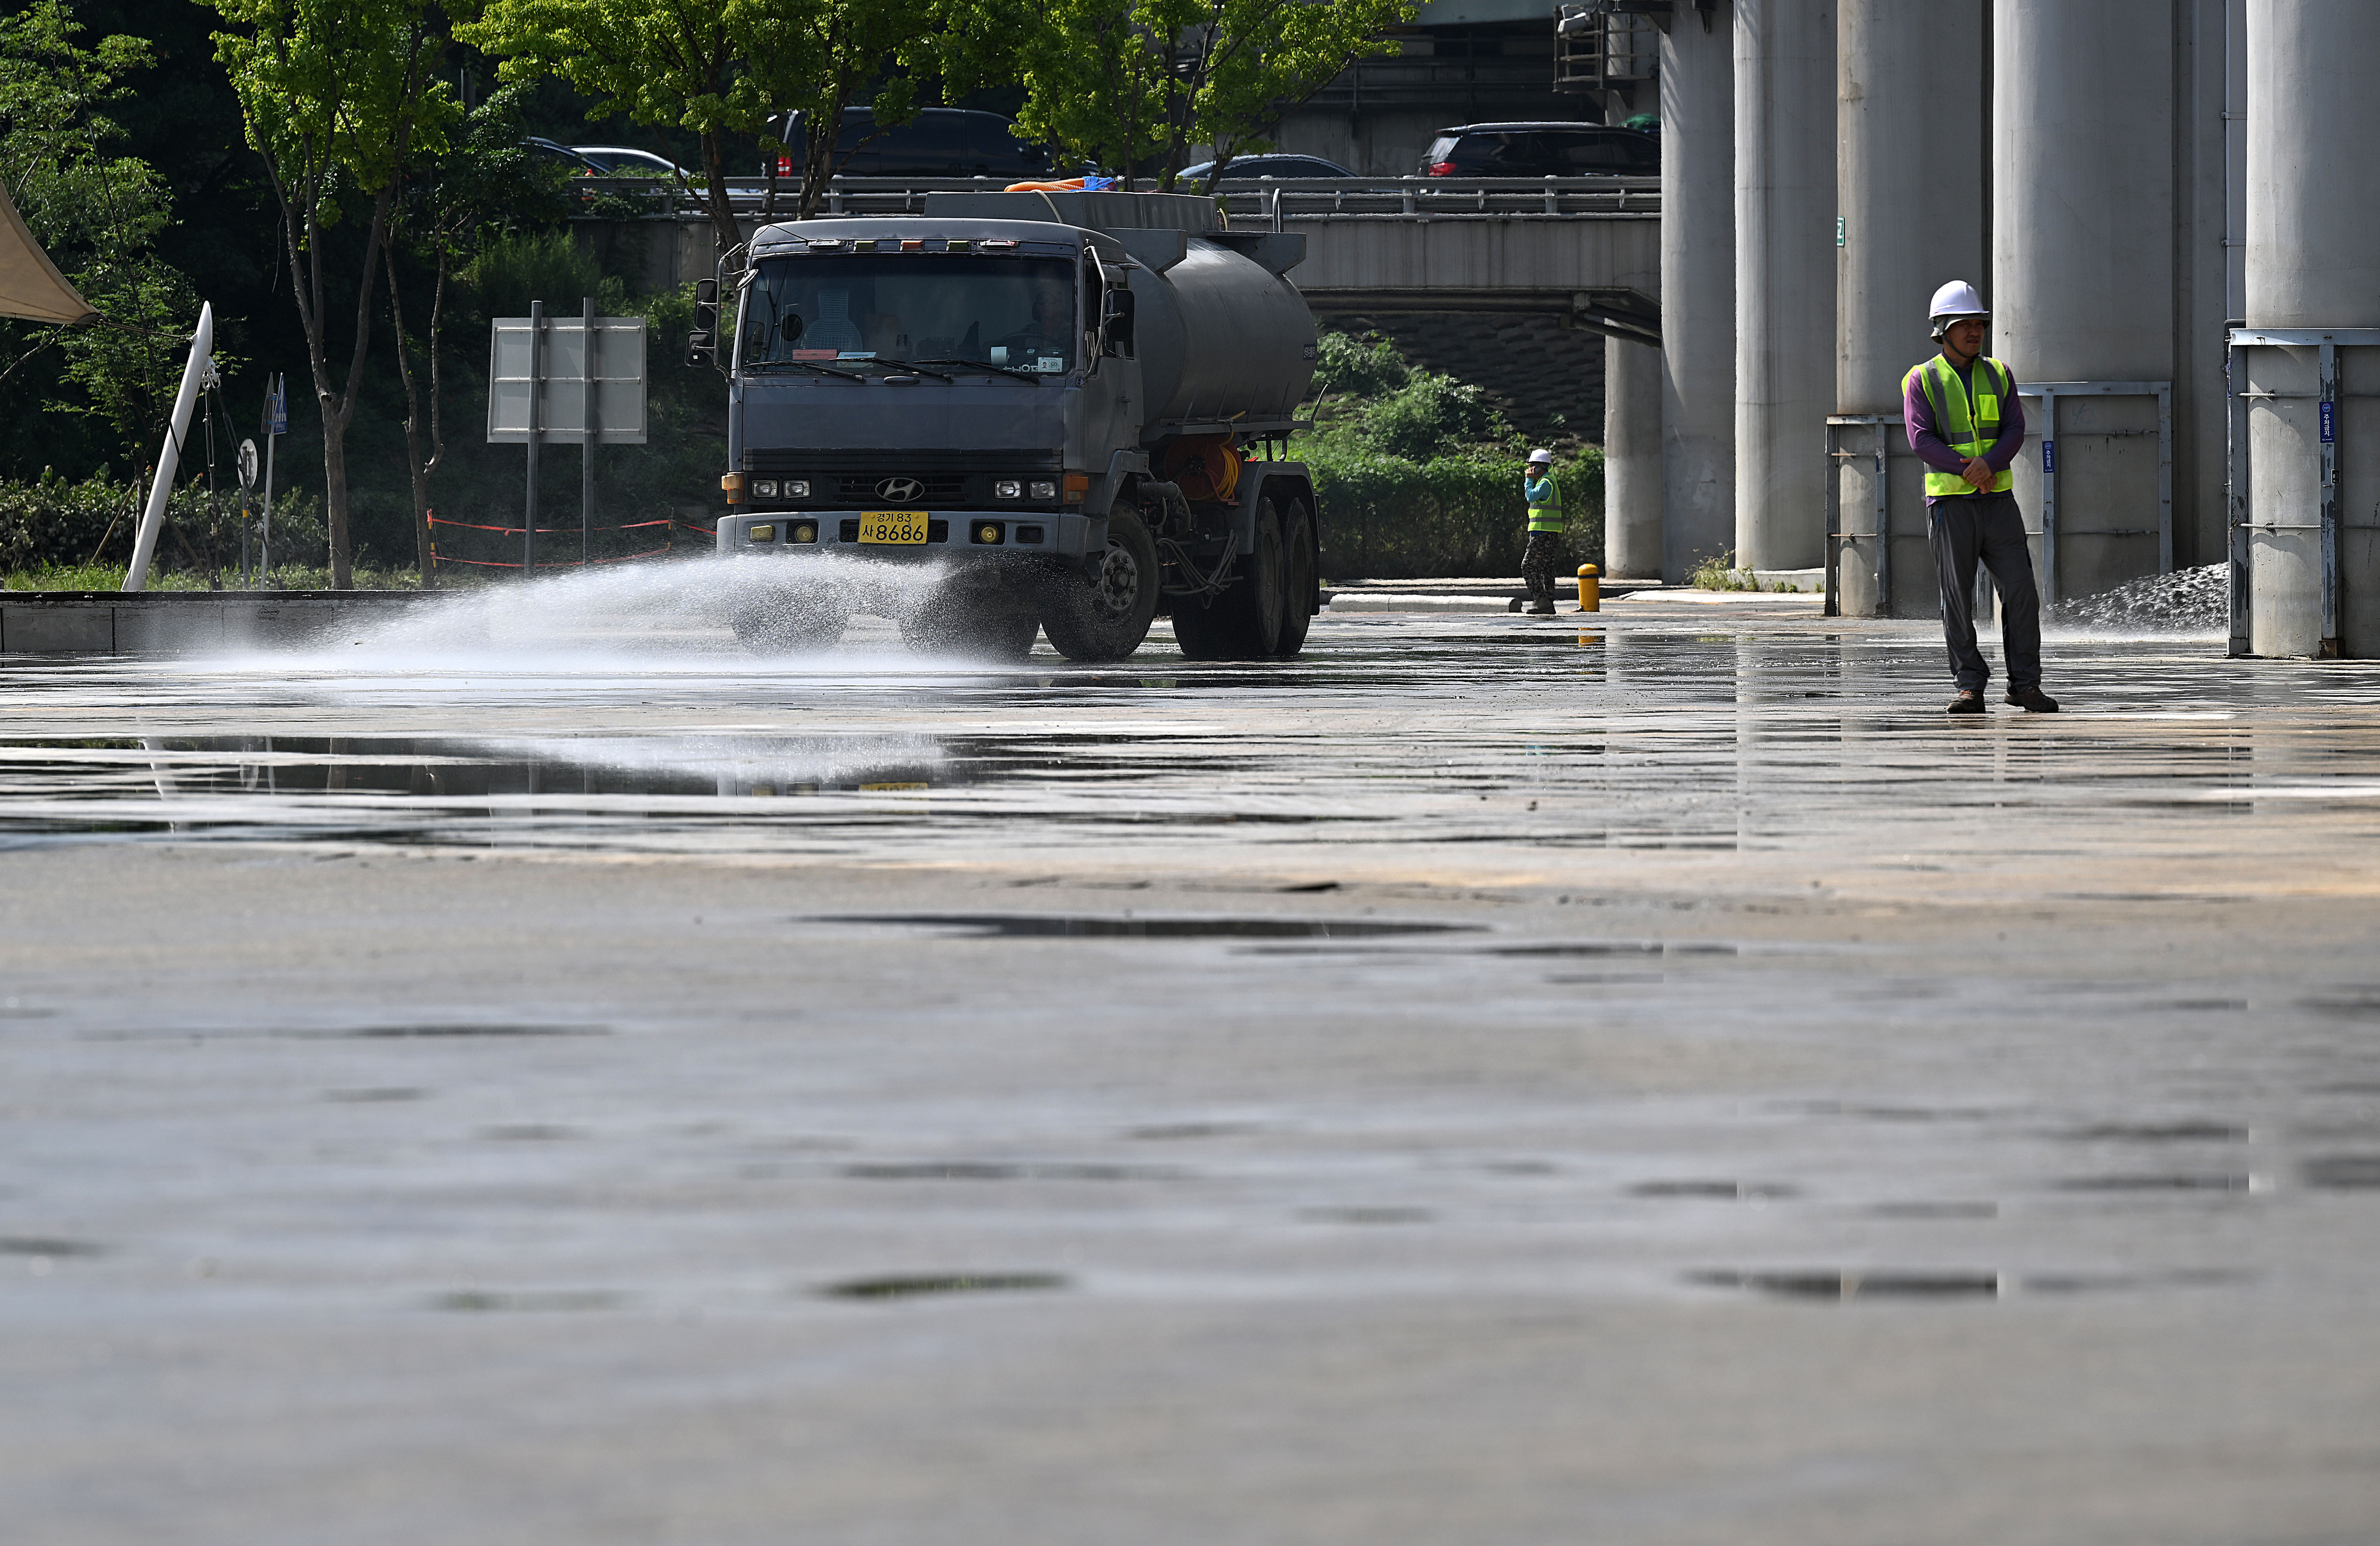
{"x":938,"y":143}
{"x":1545,"y":150}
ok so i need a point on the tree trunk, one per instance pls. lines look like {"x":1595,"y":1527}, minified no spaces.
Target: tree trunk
{"x":725,"y":235}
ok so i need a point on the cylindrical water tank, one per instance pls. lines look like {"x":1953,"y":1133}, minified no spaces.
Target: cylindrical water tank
{"x":2314,"y":262}
{"x":1910,"y":114}
{"x":1219,"y":336}
{"x":1697,"y":290}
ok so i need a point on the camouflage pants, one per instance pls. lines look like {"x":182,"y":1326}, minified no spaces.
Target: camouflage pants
{"x":1541,"y":563}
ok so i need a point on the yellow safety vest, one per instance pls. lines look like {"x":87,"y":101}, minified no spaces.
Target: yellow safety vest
{"x":1968,"y":420}
{"x":1544,"y":503}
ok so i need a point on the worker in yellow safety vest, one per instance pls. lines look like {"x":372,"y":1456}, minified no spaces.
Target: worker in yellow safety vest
{"x":1964,"y":421}
{"x":1541,"y":560}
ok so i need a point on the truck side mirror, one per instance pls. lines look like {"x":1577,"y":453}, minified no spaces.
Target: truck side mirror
{"x":1115,"y":323}
{"x":702,"y":343}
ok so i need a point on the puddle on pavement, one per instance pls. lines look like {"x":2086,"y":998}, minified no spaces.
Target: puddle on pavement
{"x":1727,"y":1191}
{"x":908,"y":1288}
{"x":528,"y":1132}
{"x":1936,"y":1210}
{"x":1837,"y":1285}
{"x":526,"y":1301}
{"x":2343,"y":1172}
{"x":1366,"y":1215}
{"x":1058,"y":926}
{"x":460,"y":1030}
{"x":2159,"y":1132}
{"x":981,"y":1169}
{"x":2240,"y":1182}
{"x":375,"y":1097}
{"x":43,"y":1249}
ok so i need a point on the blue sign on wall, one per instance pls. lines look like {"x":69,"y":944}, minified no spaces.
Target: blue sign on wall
{"x":2330,"y":423}
{"x":2049,"y":455}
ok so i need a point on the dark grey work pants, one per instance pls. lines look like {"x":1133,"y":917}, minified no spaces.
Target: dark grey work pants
{"x":1986,"y":526}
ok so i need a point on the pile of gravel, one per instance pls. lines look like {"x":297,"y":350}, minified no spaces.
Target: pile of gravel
{"x":2187,"y":601}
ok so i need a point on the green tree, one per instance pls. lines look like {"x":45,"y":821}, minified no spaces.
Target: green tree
{"x":339,"y":97}
{"x":98,"y":217}
{"x":1122,"y":83}
{"x":838,"y":48}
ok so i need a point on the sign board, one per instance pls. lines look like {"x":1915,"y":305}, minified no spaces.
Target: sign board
{"x":550,"y":377}
{"x":248,"y":464}
{"x":276,"y":408}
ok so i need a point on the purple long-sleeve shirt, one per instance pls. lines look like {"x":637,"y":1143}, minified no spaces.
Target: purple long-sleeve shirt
{"x":1918,"y":413}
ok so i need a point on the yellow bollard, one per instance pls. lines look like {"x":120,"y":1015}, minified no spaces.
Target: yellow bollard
{"x":1590,"y":588}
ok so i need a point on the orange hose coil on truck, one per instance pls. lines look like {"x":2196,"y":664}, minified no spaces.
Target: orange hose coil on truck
{"x":1207,"y":467}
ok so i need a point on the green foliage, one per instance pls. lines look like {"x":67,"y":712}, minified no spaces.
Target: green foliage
{"x":1417,"y":474}
{"x":53,"y":521}
{"x":550,"y":266}
{"x":1717,"y":572}
{"x":98,"y":217}
{"x":1122,"y":83}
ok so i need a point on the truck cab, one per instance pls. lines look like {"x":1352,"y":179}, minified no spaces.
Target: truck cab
{"x":1070,"y":410}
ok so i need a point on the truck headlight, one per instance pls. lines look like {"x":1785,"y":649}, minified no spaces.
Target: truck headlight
{"x":1008,"y":487}
{"x":1044,"y":488}
{"x":804,"y":532}
{"x":797,"y":488}
{"x":761,"y":534}
{"x":764,"y":488}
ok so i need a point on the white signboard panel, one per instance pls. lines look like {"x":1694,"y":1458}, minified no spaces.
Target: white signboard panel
{"x":548,"y":375}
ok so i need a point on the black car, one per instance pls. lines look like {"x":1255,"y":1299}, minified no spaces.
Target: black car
{"x":938,"y":143}
{"x":1542,"y":149}
{"x":563,"y":156}
{"x":1272,"y":164}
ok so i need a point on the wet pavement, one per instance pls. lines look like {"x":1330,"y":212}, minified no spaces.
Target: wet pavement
{"x":1647,"y":1077}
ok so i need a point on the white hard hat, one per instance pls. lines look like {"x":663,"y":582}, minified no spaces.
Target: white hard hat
{"x":1955,"y":301}
{"x":1541,"y":455}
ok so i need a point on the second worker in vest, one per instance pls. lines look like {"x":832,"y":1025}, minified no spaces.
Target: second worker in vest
{"x":1965,"y":423}
{"x":1541,"y":560}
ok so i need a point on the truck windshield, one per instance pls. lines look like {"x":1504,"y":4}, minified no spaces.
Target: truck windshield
{"x":1013,"y":313}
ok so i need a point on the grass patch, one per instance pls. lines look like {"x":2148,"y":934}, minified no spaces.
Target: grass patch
{"x":285,"y":576}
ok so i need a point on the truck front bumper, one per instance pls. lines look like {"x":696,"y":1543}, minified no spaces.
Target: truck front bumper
{"x":952,"y":536}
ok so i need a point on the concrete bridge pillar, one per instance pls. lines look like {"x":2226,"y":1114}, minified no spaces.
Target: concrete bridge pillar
{"x":1697,"y":290}
{"x":2082,"y":261}
{"x":1784,"y":59}
{"x":1914,"y":185}
{"x":1632,"y":460}
{"x":2314,"y":262}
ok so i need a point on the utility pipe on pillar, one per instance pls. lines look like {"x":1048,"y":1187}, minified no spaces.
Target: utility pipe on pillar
{"x":144,"y":544}
{"x":1697,"y":290}
{"x":2082,"y":259}
{"x":1784,"y":279}
{"x":2314,"y":264}
{"x":1910,"y":165}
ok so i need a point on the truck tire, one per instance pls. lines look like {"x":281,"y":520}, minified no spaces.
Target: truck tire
{"x":1104,"y":615}
{"x":1244,"y":623}
{"x":1298,"y":561}
{"x":975,"y":627}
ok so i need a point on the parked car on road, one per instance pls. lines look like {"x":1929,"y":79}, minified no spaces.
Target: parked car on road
{"x":1541,"y":149}
{"x":624,"y":161}
{"x":938,"y":142}
{"x":569,"y":160}
{"x":1272,"y":164}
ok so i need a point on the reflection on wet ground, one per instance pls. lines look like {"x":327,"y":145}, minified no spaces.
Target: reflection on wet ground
{"x":1630,"y":736}
{"x":1690,"y":971}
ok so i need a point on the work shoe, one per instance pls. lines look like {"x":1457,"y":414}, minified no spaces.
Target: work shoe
{"x":1967,"y":702}
{"x":1545,"y":611}
{"x":2032,"y":700}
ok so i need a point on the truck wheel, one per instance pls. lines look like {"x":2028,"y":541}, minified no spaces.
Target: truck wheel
{"x":978,"y":627}
{"x":1297,"y":566}
{"x":1244,"y":623}
{"x":1105,"y":615}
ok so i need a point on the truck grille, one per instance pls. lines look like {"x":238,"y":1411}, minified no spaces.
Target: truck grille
{"x":939,"y":486}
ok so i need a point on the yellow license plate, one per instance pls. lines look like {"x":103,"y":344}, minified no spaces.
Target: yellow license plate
{"x":891,"y":526}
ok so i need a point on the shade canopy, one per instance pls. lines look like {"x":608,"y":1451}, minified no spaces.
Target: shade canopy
{"x":30,"y":286}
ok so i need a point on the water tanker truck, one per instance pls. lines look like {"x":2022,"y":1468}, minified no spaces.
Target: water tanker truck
{"x":1066,"y":412}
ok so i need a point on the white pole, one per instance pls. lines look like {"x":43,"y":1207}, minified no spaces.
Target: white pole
{"x":144,"y":547}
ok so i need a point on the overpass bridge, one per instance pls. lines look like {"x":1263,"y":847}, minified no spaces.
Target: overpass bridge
{"x":1584,"y":249}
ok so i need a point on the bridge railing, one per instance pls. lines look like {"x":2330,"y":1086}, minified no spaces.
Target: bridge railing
{"x":1246,"y":201}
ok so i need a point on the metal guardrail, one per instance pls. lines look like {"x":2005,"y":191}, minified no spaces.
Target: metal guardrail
{"x":1244,"y":201}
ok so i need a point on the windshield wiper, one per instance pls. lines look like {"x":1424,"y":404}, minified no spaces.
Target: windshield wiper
{"x":804,"y":365}
{"x":982,"y":365}
{"x":899,"y":365}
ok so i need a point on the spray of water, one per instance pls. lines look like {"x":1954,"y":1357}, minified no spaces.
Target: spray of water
{"x":2185,"y":602}
{"x":735,"y":607}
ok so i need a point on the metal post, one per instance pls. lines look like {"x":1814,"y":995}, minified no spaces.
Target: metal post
{"x":587,"y":432}
{"x":2165,"y":478}
{"x":536,"y":391}
{"x":2049,"y":497}
{"x":1834,"y":523}
{"x":2328,"y":409}
{"x":2235,"y":425}
{"x":275,"y":421}
{"x":169,"y":458}
{"x":1883,"y":519}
